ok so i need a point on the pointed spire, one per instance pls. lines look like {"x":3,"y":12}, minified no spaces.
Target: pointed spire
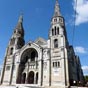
{"x":19,"y":26}
{"x":57,"y":9}
{"x":20,"y":19}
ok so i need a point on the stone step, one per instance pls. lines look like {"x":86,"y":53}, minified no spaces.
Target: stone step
{"x":7,"y":86}
{"x":28,"y":86}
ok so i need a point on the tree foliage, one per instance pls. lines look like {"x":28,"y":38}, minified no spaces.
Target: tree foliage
{"x":86,"y":78}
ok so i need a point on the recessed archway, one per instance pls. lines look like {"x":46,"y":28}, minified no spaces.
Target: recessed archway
{"x":23,"y":78}
{"x":30,"y":78}
{"x":29,"y":56}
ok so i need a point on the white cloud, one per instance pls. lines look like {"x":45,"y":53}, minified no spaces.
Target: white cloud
{"x":0,"y":67}
{"x":81,"y":10}
{"x":80,"y":49}
{"x":85,"y":70}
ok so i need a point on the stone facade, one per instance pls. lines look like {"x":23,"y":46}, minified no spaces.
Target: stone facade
{"x":50,"y":63}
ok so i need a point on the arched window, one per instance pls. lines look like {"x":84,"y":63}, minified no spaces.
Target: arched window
{"x":12,"y":41}
{"x":15,"y":31}
{"x":55,"y":64}
{"x":52,"y":31}
{"x":55,"y":20}
{"x":58,"y":64}
{"x":11,"y":51}
{"x":57,"y":30}
{"x":61,"y":20}
{"x":55,"y":43}
{"x":7,"y":67}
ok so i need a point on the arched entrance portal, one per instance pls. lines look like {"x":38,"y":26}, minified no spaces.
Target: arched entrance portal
{"x":30,"y":78}
{"x":28,"y":60}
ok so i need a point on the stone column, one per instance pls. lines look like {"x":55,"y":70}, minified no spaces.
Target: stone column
{"x":67,"y":70}
{"x":40,"y":61}
{"x":35,"y":78}
{"x":27,"y":72}
{"x":50,"y":65}
{"x":63,"y":60}
{"x":17,"y":69}
{"x":66,"y":63}
{"x":3,"y":71}
{"x":26,"y":78}
{"x":11,"y":73}
{"x":35,"y":63}
{"x":4,"y":65}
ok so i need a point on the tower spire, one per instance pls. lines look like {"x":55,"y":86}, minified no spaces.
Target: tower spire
{"x":57,"y":9}
{"x":19,"y":26}
{"x":20,"y":19}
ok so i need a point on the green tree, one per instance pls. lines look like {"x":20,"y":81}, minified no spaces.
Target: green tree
{"x":86,"y":78}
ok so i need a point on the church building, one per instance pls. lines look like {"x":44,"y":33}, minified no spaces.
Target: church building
{"x":48,"y":63}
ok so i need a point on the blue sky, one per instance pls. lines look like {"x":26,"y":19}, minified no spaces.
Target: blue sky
{"x":37,"y":17}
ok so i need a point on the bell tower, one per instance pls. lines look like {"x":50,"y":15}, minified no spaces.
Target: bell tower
{"x":58,"y":45}
{"x":17,"y":39}
{"x":57,"y":30}
{"x":57,"y":22}
{"x":16,"y":42}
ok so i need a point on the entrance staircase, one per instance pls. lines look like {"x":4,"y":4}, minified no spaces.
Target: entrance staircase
{"x":35,"y":86}
{"x":28,"y":86}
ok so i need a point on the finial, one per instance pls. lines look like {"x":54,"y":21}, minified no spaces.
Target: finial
{"x":21,"y":18}
{"x":57,"y":2}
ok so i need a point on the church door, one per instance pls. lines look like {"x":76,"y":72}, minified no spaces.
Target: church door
{"x":23,"y":78}
{"x":30,"y":78}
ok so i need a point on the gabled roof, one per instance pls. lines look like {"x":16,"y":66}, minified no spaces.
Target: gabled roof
{"x":40,"y":41}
